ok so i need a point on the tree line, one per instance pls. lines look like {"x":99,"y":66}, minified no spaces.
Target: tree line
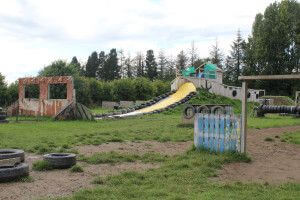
{"x":272,"y":48}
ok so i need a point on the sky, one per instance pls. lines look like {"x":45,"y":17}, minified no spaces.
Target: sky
{"x":33,"y":33}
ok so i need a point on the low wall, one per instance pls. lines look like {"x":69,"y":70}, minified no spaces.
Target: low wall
{"x":109,"y":104}
{"x":123,"y":104}
{"x":126,"y":104}
{"x":217,"y":88}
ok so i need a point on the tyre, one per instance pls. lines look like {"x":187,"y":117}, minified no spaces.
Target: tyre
{"x":12,"y":173}
{"x":2,"y":117}
{"x":12,"y":153}
{"x":217,"y":110}
{"x":234,"y":93}
{"x":203,"y":110}
{"x":189,"y":112}
{"x":60,"y":160}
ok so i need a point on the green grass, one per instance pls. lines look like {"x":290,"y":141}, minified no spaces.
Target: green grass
{"x":115,"y":157}
{"x":184,"y":177}
{"x":41,"y":165}
{"x":62,"y":136}
{"x":76,"y":169}
{"x":281,"y":100}
{"x":179,"y":177}
{"x":100,"y":110}
{"x":272,"y":121}
{"x":49,"y":136}
{"x":98,"y":180}
{"x":293,"y":137}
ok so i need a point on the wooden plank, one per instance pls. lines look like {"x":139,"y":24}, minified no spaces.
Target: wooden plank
{"x":270,"y":77}
{"x":234,"y":133}
{"x":87,"y":112}
{"x":211,"y":132}
{"x":80,"y":114}
{"x":244,"y":117}
{"x":201,"y":130}
{"x":84,"y":116}
{"x":222,"y":133}
{"x":10,"y":162}
{"x":227,"y":133}
{"x":197,"y":130}
{"x":217,"y":134}
{"x":206,"y":131}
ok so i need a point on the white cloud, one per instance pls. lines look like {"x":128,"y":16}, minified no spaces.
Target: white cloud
{"x":33,"y":33}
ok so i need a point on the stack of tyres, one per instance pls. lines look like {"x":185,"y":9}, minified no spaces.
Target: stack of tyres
{"x":2,"y":116}
{"x":264,"y":109}
{"x":12,"y":165}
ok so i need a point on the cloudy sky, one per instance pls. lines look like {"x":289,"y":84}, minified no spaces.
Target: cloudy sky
{"x":34,"y":33}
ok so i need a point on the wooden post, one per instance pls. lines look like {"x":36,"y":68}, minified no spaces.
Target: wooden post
{"x":244,"y":117}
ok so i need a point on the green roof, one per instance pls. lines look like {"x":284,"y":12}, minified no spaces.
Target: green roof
{"x":210,"y":67}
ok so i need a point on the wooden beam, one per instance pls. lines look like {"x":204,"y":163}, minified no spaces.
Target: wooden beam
{"x":244,"y":117}
{"x":270,"y":77}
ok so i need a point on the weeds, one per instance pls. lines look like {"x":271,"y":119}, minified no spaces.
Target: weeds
{"x":76,"y":169}
{"x":41,"y":165}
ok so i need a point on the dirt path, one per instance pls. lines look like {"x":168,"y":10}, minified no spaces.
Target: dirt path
{"x":63,"y":182}
{"x":272,"y":162}
{"x":166,"y":148}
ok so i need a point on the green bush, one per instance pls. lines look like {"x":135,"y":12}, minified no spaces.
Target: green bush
{"x":96,"y":90}
{"x":161,"y":87}
{"x":123,"y":89}
{"x":81,"y":86}
{"x":107,"y":92}
{"x":144,"y":89}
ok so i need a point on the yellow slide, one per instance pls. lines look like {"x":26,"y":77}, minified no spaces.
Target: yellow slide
{"x":180,"y":94}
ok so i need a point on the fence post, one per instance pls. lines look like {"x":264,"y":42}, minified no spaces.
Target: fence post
{"x":244,"y":117}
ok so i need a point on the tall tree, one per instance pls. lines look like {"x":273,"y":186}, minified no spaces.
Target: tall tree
{"x":3,"y":90}
{"x":216,"y":55}
{"x":181,"y":61}
{"x":193,"y":54}
{"x":162,"y":64}
{"x":151,"y":65}
{"x":234,"y":62}
{"x":273,"y":47}
{"x":170,"y":72}
{"x":111,"y":69}
{"x":128,"y":67}
{"x":77,"y":65}
{"x":101,"y":60}
{"x":140,"y":65}
{"x":122,"y":63}
{"x":92,"y":65}
{"x":59,"y":68}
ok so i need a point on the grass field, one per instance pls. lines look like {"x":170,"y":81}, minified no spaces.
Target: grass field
{"x":49,"y":136}
{"x":186,"y":176}
{"x":293,"y":138}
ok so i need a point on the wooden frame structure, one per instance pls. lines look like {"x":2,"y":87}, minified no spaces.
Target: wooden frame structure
{"x":246,"y":79}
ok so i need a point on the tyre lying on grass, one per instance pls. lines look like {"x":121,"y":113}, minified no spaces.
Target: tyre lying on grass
{"x":12,"y":153}
{"x":10,"y":173}
{"x":60,"y":160}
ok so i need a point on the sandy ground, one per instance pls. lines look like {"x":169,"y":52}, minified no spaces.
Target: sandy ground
{"x":272,"y":162}
{"x":166,"y":148}
{"x":63,"y":182}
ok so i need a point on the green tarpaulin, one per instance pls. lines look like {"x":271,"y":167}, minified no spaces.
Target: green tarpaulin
{"x":189,"y":71}
{"x":210,"y":71}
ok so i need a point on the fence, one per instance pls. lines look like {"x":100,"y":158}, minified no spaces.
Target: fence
{"x":218,"y":133}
